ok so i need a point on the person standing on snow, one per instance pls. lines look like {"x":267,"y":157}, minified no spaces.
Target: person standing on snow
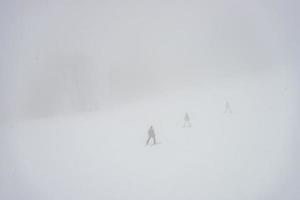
{"x":227,"y":107}
{"x":151,"y":135}
{"x":187,"y":122}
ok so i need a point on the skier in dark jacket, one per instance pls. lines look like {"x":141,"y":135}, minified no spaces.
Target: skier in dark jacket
{"x":151,"y":135}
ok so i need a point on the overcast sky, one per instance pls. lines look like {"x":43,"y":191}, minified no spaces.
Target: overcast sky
{"x":136,"y":48}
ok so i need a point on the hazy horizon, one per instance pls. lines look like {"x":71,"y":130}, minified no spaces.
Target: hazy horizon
{"x":65,"y":56}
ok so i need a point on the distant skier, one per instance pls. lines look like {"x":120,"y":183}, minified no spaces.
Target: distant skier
{"x":187,"y":122}
{"x":227,"y":107}
{"x":151,"y":135}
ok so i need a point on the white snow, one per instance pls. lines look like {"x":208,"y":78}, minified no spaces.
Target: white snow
{"x":102,"y":155}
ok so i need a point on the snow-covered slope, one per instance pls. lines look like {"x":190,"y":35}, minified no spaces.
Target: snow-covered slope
{"x":102,"y":155}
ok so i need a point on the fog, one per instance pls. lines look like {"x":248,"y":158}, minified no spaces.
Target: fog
{"x":63,"y":56}
{"x":76,"y":62}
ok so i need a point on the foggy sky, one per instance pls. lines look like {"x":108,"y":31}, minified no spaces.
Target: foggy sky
{"x":63,"y":56}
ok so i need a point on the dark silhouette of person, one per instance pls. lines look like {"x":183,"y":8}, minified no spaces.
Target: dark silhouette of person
{"x":227,"y":107}
{"x":151,"y":135}
{"x":187,"y":122}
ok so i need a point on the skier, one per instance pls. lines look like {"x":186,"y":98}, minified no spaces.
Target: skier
{"x":151,"y":135}
{"x":227,"y":107}
{"x":187,"y":121}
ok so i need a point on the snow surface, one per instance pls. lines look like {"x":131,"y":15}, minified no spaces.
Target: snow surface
{"x":102,"y":155}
